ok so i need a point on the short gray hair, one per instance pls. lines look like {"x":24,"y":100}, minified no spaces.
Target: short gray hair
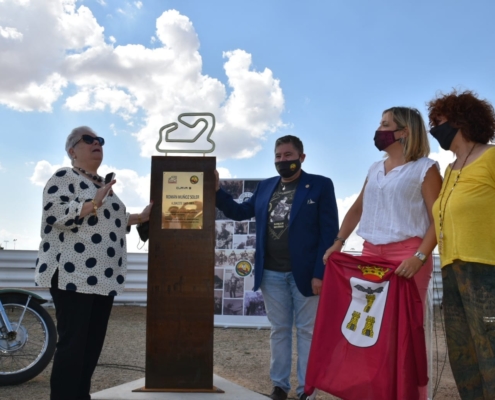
{"x":74,"y":137}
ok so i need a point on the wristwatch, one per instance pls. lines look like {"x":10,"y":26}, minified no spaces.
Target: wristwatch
{"x":421,"y":256}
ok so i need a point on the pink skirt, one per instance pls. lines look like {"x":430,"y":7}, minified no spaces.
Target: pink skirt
{"x":399,"y":251}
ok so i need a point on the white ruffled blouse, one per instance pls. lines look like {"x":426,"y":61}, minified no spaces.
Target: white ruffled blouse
{"x":393,"y":206}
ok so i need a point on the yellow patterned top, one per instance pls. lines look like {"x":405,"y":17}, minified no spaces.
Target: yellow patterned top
{"x":469,"y":216}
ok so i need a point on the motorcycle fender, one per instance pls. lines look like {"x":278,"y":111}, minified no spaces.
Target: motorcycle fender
{"x":35,"y":296}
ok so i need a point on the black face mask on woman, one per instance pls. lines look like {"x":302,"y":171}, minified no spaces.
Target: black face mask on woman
{"x":383,"y":139}
{"x":444,"y":134}
{"x":287,"y":169}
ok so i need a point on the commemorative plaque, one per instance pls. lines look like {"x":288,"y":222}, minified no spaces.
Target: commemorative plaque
{"x":181,"y":262}
{"x":182,"y":200}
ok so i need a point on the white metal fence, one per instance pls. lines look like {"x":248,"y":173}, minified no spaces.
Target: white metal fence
{"x":17,"y":271}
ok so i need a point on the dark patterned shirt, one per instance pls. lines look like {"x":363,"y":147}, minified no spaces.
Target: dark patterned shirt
{"x":277,"y":242}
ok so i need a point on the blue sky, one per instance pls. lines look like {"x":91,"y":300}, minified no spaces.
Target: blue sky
{"x":320,"y":70}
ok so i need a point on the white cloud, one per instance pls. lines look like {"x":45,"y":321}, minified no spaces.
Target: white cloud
{"x":138,"y":4}
{"x":133,"y":189}
{"x":250,"y":104}
{"x":353,"y":242}
{"x":38,"y":97}
{"x":43,"y":170}
{"x":224,"y":173}
{"x":49,"y":30}
{"x":10,"y":33}
{"x":444,"y":158}
{"x":101,"y":2}
{"x":63,"y":44}
{"x":113,"y":129}
{"x":101,"y":97}
{"x":343,"y":205}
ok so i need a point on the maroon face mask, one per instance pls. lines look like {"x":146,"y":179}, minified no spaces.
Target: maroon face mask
{"x":383,"y":139}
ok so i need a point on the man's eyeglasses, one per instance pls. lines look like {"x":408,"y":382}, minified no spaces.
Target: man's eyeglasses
{"x":90,"y":139}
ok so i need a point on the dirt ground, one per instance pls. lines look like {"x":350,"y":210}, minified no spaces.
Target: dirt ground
{"x":240,"y":355}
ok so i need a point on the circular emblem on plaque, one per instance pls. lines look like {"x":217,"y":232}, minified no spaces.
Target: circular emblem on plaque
{"x":243,"y":268}
{"x":194,"y":179}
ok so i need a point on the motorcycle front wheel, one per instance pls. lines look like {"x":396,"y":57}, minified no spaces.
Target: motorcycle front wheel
{"x":27,"y":352}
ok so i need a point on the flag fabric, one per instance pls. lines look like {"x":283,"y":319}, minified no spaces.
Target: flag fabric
{"x":368,"y":341}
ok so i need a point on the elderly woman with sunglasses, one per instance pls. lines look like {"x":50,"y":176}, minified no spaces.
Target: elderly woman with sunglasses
{"x":82,"y":259}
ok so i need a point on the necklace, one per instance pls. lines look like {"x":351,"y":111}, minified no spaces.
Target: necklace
{"x":288,"y":185}
{"x":441,"y":214}
{"x":96,"y":177}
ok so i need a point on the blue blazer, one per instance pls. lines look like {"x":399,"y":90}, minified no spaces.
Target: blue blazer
{"x":313,"y":225}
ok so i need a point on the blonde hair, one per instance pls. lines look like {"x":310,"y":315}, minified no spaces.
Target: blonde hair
{"x":415,"y":144}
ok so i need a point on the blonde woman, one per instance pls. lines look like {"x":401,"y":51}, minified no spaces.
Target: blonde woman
{"x":394,"y":206}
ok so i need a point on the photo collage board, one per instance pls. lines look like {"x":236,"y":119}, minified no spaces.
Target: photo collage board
{"x":235,"y":246}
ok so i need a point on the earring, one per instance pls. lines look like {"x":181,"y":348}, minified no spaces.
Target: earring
{"x":402,"y":140}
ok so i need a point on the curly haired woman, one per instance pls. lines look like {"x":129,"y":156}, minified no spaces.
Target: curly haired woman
{"x":465,"y":227}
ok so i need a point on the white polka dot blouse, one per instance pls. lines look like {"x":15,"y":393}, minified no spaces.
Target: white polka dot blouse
{"x":90,"y":252}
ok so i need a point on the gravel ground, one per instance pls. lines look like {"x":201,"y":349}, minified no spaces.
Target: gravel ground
{"x":240,"y":355}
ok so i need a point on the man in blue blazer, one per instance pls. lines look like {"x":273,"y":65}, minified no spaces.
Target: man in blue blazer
{"x":296,"y":221}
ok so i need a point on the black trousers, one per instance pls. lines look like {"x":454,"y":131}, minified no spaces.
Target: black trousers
{"x":82,"y":321}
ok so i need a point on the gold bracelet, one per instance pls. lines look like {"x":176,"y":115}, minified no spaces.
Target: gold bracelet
{"x":139,"y":219}
{"x":95,"y":207}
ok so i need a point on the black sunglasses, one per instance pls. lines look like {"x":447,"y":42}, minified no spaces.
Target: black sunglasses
{"x":90,"y":139}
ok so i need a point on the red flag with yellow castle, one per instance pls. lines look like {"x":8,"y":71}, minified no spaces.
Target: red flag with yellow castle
{"x":368,"y":341}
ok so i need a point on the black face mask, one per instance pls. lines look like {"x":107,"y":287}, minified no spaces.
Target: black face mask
{"x":287,"y":169}
{"x":444,"y":134}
